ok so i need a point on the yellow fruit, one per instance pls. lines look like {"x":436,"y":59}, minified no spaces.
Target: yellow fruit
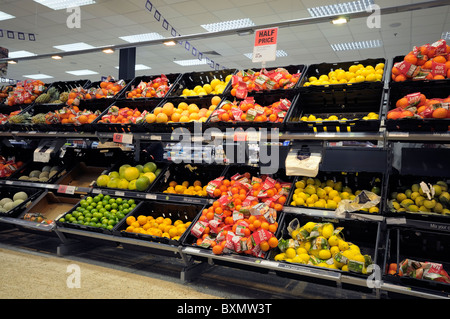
{"x":334,"y":250}
{"x":309,"y":226}
{"x":305,"y":257}
{"x":324,"y":254}
{"x":290,"y":252}
{"x":301,"y":250}
{"x":333,"y":240}
{"x":343,"y":245}
{"x":103,"y":180}
{"x":131,"y":173}
{"x":162,"y":118}
{"x":327,"y":231}
{"x":279,"y":257}
{"x":150,"y":118}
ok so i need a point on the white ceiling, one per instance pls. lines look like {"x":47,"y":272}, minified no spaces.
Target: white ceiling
{"x":104,"y":22}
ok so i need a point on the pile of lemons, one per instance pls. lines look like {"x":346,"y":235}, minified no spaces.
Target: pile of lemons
{"x":159,"y":226}
{"x":185,"y":188}
{"x":320,"y":244}
{"x":355,"y":74}
{"x":313,"y":118}
{"x":216,"y":86}
{"x":312,"y":192}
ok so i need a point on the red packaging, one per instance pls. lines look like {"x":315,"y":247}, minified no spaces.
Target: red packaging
{"x":407,"y":69}
{"x":440,"y":47}
{"x":241,"y":90}
{"x":198,"y":228}
{"x":212,"y":185}
{"x":438,"y":69}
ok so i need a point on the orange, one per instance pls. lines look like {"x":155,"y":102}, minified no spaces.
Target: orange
{"x":439,"y":113}
{"x":439,"y":59}
{"x":273,"y":242}
{"x":428,"y":65}
{"x":256,"y":223}
{"x":150,"y":118}
{"x":403,"y":102}
{"x":217,"y":249}
{"x":400,"y":78}
{"x":278,"y":207}
{"x":193,"y":108}
{"x":264,"y":245}
{"x":168,"y":109}
{"x":161,"y":118}
{"x":411,"y":58}
{"x":265,"y":225}
{"x":157,"y":110}
{"x":215,"y":100}
{"x":273,"y":228}
{"x":130,"y":220}
{"x":438,"y":77}
{"x":175,"y":117}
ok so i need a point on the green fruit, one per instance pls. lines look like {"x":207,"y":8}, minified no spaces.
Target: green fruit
{"x":437,"y":190}
{"x":415,"y":187}
{"x":142,"y":183}
{"x":406,"y":203}
{"x":149,"y":167}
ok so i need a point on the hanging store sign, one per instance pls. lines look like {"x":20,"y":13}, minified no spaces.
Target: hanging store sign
{"x":265,"y":47}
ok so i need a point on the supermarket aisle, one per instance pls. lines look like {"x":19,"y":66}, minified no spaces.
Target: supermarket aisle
{"x":31,"y":269}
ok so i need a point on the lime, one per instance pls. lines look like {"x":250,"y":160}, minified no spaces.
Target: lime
{"x":142,"y":183}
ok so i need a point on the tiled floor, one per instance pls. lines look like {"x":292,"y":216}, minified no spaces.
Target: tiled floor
{"x":30,"y":268}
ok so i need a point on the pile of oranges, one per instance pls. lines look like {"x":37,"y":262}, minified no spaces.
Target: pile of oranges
{"x":106,"y":89}
{"x":251,"y":111}
{"x":244,"y":217}
{"x":158,"y":87}
{"x":182,"y":113}
{"x":427,"y":62}
{"x":71,"y":115}
{"x":124,"y":115}
{"x":25,"y":92}
{"x":417,"y":105}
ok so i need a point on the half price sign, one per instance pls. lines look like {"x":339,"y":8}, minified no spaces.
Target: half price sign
{"x":265,"y":47}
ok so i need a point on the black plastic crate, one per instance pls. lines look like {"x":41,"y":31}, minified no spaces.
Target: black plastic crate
{"x":324,"y":68}
{"x":7,"y":110}
{"x":403,"y":185}
{"x":61,"y":221}
{"x":95,"y":106}
{"x":57,"y":168}
{"x":145,"y":105}
{"x":292,"y":69}
{"x":191,"y":80}
{"x":393,"y":84}
{"x":417,"y":245}
{"x":190,"y":173}
{"x":354,"y":180}
{"x":172,"y":80}
{"x":65,"y":86}
{"x":365,"y":234}
{"x":351,"y":103}
{"x":431,"y":89}
{"x":263,"y":99}
{"x":162,"y":166}
{"x":8,"y":191}
{"x":175,"y":211}
{"x":93,"y":86}
{"x":201,"y":102}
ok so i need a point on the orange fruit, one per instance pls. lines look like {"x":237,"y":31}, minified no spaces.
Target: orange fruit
{"x":439,"y":59}
{"x":215,"y":100}
{"x":217,"y":249}
{"x":438,"y":77}
{"x":150,"y":118}
{"x":400,"y":78}
{"x":403,"y":102}
{"x":175,"y":117}
{"x":273,"y":242}
{"x":168,"y":109}
{"x":264,"y":245}
{"x":161,"y":118}
{"x":439,"y":113}
{"x":428,"y":65}
{"x":411,"y":58}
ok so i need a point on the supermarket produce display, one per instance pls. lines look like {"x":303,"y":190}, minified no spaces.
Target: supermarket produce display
{"x":95,"y":162}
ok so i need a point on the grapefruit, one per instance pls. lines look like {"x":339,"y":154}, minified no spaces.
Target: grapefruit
{"x":149,"y":167}
{"x":131,"y":173}
{"x":142,"y":183}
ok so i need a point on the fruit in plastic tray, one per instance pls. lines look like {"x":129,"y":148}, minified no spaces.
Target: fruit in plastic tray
{"x":417,"y":105}
{"x":184,"y":188}
{"x":8,"y":166}
{"x":426,"y":62}
{"x":157,"y":87}
{"x":249,"y":110}
{"x":159,"y":226}
{"x":244,"y":217}
{"x":421,"y":197}
{"x":215,"y":86}
{"x":322,"y":245}
{"x":313,"y":118}
{"x":354,"y":74}
{"x":7,"y":203}
{"x":25,"y":92}
{"x":124,"y":115}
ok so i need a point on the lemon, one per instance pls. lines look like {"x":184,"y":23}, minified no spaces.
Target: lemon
{"x":311,"y":118}
{"x":103,"y":180}
{"x":349,"y":254}
{"x":290,"y":252}
{"x":299,"y":201}
{"x":324,"y":254}
{"x":122,"y":184}
{"x":343,"y":245}
{"x":312,"y":79}
{"x":131,"y":173}
{"x":401,"y":197}
{"x":344,"y":268}
{"x":359,"y":258}
{"x":374,"y":210}
{"x":309,"y":226}
{"x":334,"y":250}
{"x":281,"y":256}
{"x":301,"y":250}
{"x":354,"y":248}
{"x":360,"y":78}
{"x":331,"y":204}
{"x":430,"y":204}
{"x":371,"y":77}
{"x":297,"y":259}
{"x":379,"y":66}
{"x":327,"y":231}
{"x":304,"y":257}
{"x":333,"y":240}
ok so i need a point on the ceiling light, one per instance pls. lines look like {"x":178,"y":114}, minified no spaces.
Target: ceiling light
{"x":342,"y":20}
{"x":142,"y":37}
{"x":12,"y":62}
{"x":139,"y":67}
{"x":279,"y":54}
{"x":64,"y":4}
{"x":5,"y":16}
{"x":39,"y":76}
{"x":357,"y":45}
{"x":228,"y":25}
{"x":445,"y":35}
{"x":20,"y":54}
{"x":74,"y":46}
{"x":340,"y":8}
{"x":108,"y":51}
{"x":82,"y":72}
{"x":170,"y":43}
{"x":191,"y":62}
{"x":56,"y":57}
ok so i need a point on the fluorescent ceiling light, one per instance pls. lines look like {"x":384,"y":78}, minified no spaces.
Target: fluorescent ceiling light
{"x":142,"y":37}
{"x":139,"y":67}
{"x":279,"y":54}
{"x":228,"y":25}
{"x":340,"y":8}
{"x":108,"y":51}
{"x":74,"y":46}
{"x":170,"y":43}
{"x":5,"y":16}
{"x":339,"y":21}
{"x":191,"y":62}
{"x":39,"y":76}
{"x":82,"y":72}
{"x":20,"y":54}
{"x":56,"y":57}
{"x":12,"y":62}
{"x":64,"y":4}
{"x":445,"y":35}
{"x":357,"y":45}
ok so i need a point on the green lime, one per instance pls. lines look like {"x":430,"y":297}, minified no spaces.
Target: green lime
{"x":62,"y":220}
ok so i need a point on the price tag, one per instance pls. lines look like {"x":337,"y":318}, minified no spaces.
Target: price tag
{"x":117,"y":193}
{"x":155,"y":137}
{"x":43,"y":157}
{"x":123,"y":138}
{"x":150,"y":196}
{"x":64,"y":189}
